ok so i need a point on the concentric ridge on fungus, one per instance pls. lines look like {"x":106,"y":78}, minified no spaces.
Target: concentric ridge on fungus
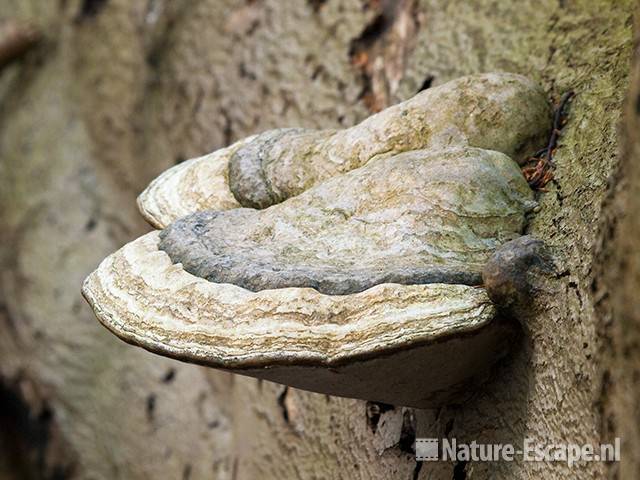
{"x":358,"y":275}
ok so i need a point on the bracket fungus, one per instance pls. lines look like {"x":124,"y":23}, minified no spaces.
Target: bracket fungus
{"x":343,"y":262}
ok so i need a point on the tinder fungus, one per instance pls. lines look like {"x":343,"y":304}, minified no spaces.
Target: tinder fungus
{"x":346,"y":262}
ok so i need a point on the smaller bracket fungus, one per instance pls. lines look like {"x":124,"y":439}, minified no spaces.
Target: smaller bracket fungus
{"x":360,"y":274}
{"x":494,"y":111}
{"x":516,"y":272}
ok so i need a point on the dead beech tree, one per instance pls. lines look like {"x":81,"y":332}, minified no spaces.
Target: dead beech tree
{"x":116,"y":91}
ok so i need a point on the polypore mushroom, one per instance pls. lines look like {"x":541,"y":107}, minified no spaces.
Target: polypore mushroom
{"x":362,"y":280}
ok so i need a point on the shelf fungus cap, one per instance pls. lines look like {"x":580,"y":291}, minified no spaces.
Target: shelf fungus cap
{"x":363,"y":286}
{"x":413,"y":345}
{"x":504,"y":112}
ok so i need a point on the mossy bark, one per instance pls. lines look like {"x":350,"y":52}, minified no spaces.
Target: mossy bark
{"x":120,"y":90}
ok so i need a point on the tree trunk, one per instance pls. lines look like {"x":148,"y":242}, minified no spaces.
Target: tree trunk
{"x":118,"y":90}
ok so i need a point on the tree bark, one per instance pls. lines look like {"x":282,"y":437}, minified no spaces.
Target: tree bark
{"x":117,"y":91}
